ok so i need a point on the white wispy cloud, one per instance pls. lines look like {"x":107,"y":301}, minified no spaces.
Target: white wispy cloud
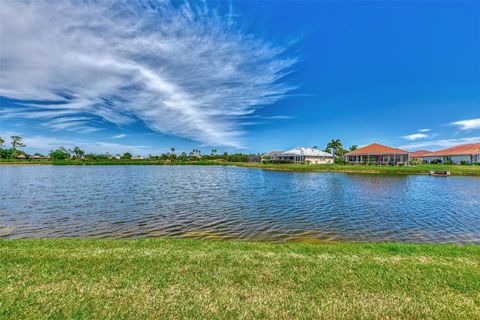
{"x":279,"y":117}
{"x":181,"y":69}
{"x":424,"y":130}
{"x":444,"y":143}
{"x":119,"y":136}
{"x":415,"y":136}
{"x":47,"y":143}
{"x":467,"y":124}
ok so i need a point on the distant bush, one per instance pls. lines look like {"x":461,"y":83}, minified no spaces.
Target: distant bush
{"x":448,"y":161}
{"x":279,"y":161}
{"x":463,"y":162}
{"x":60,"y":154}
{"x":127,"y":156}
{"x":436,"y":161}
{"x":415,"y":161}
{"x":97,"y":156}
{"x":7,"y":154}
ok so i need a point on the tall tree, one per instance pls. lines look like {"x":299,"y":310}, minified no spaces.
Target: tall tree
{"x":335,"y":144}
{"x":17,"y":142}
{"x":127,"y":156}
{"x":172,"y":149}
{"x":1,"y":142}
{"x":353,"y":147}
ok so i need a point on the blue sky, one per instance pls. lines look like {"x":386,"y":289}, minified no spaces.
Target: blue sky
{"x":239,"y":76}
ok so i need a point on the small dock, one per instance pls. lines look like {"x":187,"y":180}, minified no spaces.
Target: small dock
{"x":442,"y":173}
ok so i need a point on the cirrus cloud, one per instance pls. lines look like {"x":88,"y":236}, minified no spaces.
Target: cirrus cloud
{"x":179,"y":69}
{"x":442,"y":143}
{"x":415,"y":136}
{"x":467,"y":124}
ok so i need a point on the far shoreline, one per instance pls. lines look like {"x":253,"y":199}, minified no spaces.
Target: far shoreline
{"x":424,"y":169}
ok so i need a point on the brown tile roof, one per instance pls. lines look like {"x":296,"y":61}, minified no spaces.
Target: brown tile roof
{"x":376,"y":148}
{"x":419,"y":153}
{"x":472,"y":148}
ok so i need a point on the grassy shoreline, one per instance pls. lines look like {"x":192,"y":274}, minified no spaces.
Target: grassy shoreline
{"x":423,"y":169}
{"x":183,"y":278}
{"x":458,"y":170}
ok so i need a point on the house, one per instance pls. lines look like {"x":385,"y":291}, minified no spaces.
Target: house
{"x":417,"y":155}
{"x":21,"y":156}
{"x":378,"y":154}
{"x":303,"y":155}
{"x":254,"y":158}
{"x":465,"y":153}
{"x":272,"y":154}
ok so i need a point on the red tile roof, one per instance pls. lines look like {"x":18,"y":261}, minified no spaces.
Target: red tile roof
{"x":419,"y":153}
{"x":472,"y":148}
{"x":376,"y":148}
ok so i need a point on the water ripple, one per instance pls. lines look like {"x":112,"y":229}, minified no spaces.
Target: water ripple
{"x":235,"y":203}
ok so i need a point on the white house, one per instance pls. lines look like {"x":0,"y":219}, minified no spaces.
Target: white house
{"x":304,"y":155}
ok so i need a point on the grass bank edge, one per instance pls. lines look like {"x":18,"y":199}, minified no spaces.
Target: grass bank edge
{"x":202,"y":244}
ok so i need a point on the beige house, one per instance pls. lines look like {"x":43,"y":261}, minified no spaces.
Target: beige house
{"x":303,"y":155}
{"x":465,"y":153}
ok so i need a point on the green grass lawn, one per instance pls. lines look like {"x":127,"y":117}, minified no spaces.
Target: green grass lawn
{"x":181,"y":278}
{"x":467,"y":170}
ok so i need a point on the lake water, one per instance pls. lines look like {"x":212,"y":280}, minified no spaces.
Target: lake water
{"x":235,"y":203}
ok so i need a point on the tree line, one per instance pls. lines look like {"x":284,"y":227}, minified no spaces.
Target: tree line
{"x":62,"y":153}
{"x":335,"y":147}
{"x":13,"y":152}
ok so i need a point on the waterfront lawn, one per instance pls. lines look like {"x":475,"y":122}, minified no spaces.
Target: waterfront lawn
{"x":181,"y":278}
{"x":466,"y":170}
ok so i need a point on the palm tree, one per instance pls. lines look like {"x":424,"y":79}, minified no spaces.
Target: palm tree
{"x":79,"y":153}
{"x":1,"y":142}
{"x":214,"y":152}
{"x":172,"y":149}
{"x":335,"y":144}
{"x":353,"y":147}
{"x":17,"y":142}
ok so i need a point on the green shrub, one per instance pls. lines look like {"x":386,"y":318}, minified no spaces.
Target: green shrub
{"x":60,"y":154}
{"x":279,"y":161}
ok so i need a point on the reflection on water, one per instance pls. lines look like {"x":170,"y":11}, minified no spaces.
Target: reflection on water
{"x":235,"y":203}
